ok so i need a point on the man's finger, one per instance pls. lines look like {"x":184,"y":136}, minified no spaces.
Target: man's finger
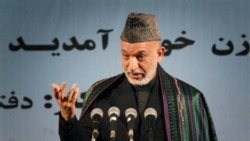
{"x":73,"y":90}
{"x":62,"y":90}
{"x":55,"y":89}
{"x":75,"y":95}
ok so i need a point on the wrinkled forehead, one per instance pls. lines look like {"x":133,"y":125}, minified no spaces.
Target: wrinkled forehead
{"x":139,"y":46}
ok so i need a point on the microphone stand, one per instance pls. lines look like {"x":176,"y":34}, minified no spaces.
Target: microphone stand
{"x":113,"y":113}
{"x":131,"y":135}
{"x":150,"y":135}
{"x":96,"y":115}
{"x":95,"y":134}
{"x":150,"y":114}
{"x":131,"y":115}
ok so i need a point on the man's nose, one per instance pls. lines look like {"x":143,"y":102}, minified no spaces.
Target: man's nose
{"x":132,"y":64}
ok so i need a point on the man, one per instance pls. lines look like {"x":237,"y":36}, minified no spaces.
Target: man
{"x":180,"y":112}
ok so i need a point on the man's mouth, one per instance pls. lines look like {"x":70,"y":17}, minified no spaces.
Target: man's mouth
{"x":136,"y":75}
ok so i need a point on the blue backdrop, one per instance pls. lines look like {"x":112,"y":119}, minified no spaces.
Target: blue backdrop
{"x":77,"y":41}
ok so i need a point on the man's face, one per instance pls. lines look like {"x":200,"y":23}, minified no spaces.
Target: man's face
{"x":140,"y":60}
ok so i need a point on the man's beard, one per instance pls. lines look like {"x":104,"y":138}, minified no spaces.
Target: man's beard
{"x":147,"y":78}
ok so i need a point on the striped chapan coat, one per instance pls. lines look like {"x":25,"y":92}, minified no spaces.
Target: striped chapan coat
{"x":186,"y":113}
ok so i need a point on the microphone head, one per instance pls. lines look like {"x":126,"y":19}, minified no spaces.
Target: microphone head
{"x":97,"y":111}
{"x":114,"y":111}
{"x":131,"y":111}
{"x":150,"y":111}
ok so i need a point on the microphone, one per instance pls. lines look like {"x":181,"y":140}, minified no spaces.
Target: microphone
{"x":131,"y":115}
{"x":113,"y":114}
{"x":96,"y":116}
{"x":150,"y":115}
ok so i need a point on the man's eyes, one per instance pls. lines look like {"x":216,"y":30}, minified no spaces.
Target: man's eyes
{"x":140,"y":56}
{"x":125,"y":55}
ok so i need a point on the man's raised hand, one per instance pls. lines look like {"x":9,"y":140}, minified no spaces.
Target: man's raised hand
{"x":66,"y":102}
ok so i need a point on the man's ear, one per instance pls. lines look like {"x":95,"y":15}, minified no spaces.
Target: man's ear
{"x":161,"y":51}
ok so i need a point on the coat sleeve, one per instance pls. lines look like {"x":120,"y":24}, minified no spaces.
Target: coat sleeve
{"x":74,"y":129}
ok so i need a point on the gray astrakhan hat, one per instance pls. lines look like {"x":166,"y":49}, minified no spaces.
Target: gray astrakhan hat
{"x":140,"y":27}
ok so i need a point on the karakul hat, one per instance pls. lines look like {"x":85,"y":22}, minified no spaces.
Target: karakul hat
{"x":140,"y":27}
